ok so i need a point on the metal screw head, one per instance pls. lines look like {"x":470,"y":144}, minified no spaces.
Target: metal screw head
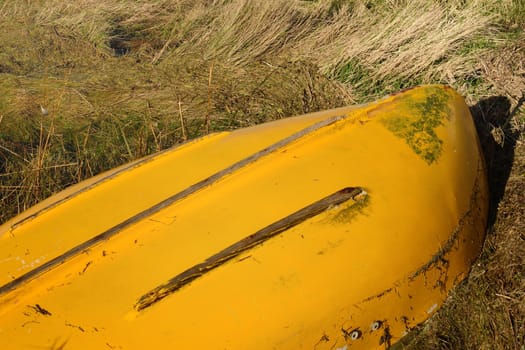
{"x":376,"y":325}
{"x":356,"y":334}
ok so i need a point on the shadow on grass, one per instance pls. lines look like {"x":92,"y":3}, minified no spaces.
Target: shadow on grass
{"x":492,"y":117}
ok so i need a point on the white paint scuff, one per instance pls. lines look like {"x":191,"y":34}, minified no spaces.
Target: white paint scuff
{"x":432,"y":308}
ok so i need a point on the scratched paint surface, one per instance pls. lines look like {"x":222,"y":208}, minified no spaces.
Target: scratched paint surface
{"x":357,"y":275}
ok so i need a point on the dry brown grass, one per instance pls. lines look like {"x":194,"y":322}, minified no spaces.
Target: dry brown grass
{"x":86,"y":85}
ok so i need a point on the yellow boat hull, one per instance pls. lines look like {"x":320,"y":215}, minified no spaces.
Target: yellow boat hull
{"x":334,"y":230}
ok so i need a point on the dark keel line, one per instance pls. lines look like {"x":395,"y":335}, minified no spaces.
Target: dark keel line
{"x":104,"y":236}
{"x":247,"y":243}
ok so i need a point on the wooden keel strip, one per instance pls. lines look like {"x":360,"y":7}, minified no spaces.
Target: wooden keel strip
{"x":247,"y":243}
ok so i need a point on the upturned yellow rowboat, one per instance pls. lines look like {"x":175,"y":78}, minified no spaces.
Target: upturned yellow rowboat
{"x":334,"y":230}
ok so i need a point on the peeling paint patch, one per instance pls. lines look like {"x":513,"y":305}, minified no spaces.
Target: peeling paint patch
{"x":324,"y":339}
{"x":386,"y":338}
{"x":40,"y":310}
{"x":380,"y":295}
{"x":449,"y":244}
{"x":345,"y":347}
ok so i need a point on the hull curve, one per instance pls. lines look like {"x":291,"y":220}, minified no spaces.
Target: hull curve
{"x":341,"y":229}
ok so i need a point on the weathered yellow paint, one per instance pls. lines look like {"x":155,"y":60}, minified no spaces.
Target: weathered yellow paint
{"x":356,"y":275}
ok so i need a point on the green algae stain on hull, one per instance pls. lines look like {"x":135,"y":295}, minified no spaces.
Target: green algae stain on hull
{"x":417,"y":120}
{"x":350,"y":211}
